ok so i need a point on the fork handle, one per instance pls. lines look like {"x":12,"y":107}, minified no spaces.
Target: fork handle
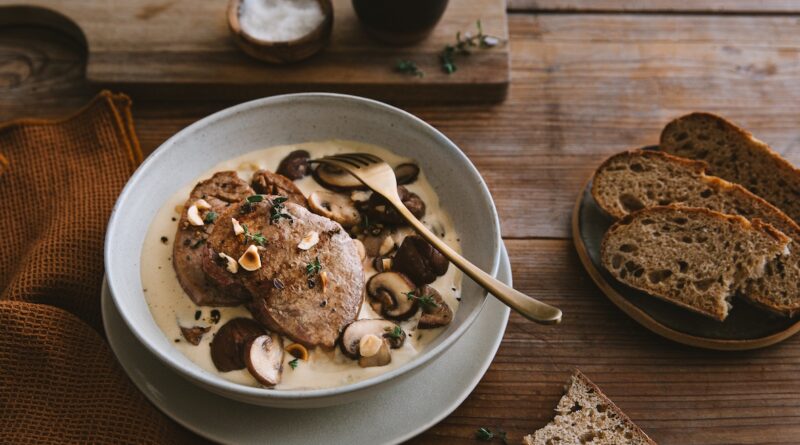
{"x":529,"y":307}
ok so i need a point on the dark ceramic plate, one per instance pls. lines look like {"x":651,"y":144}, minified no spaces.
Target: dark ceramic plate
{"x":747,"y":326}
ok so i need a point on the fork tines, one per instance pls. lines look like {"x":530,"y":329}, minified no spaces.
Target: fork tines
{"x":354,"y":159}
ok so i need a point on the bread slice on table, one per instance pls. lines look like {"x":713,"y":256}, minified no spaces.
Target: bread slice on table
{"x":735,"y":155}
{"x":585,"y":415}
{"x":639,"y":179}
{"x":692,"y":257}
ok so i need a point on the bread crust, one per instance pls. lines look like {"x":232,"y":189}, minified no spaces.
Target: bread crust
{"x":577,"y":376}
{"x":719,"y":312}
{"x":780,"y":187}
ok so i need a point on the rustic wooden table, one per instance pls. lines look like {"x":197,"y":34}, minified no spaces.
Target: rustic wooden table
{"x":589,"y":79}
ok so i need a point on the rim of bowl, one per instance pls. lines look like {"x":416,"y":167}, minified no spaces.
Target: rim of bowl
{"x":201,"y":376}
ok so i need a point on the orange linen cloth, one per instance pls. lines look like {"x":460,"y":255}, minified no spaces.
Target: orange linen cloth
{"x":59,"y":381}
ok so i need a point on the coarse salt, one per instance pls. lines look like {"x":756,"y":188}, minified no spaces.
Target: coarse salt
{"x":279,"y":20}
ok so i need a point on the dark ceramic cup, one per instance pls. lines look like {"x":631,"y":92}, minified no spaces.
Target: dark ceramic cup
{"x":399,"y":22}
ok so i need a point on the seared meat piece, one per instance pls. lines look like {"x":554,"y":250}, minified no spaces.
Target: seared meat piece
{"x":267,"y":183}
{"x":310,"y":281}
{"x":218,"y":192}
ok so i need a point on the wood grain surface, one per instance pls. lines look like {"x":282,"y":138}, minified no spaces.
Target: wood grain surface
{"x":749,"y":7}
{"x":173,"y":48}
{"x":583,"y":87}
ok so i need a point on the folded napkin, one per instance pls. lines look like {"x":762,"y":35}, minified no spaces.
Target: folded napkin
{"x":59,"y":381}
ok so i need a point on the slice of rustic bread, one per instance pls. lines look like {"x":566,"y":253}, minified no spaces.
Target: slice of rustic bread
{"x":585,"y":415}
{"x":735,"y":155}
{"x":644,"y":178}
{"x":692,"y":257}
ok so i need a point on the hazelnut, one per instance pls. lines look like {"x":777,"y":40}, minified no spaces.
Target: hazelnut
{"x":202,"y":204}
{"x":193,"y":215}
{"x":230,"y":263}
{"x":323,"y":278}
{"x":250,"y":259}
{"x":310,"y":240}
{"x":237,"y":228}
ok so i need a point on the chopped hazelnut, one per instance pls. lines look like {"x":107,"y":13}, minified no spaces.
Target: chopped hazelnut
{"x":193,"y":214}
{"x":237,"y":228}
{"x":309,"y":241}
{"x":250,"y":259}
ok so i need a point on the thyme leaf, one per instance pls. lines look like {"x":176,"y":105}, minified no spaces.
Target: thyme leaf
{"x":408,"y":67}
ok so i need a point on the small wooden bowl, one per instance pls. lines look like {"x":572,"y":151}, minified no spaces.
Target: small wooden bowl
{"x":282,"y":52}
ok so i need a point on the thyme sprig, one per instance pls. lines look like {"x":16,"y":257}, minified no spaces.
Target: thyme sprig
{"x":426,"y":301}
{"x":313,"y":267}
{"x":408,"y":67}
{"x":294,"y":363}
{"x":464,"y":45}
{"x":257,"y":237}
{"x":210,"y":217}
{"x":487,"y":435}
{"x":276,"y":212}
{"x":395,"y":333}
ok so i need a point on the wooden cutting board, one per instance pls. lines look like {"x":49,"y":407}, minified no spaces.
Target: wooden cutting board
{"x":165,"y":47}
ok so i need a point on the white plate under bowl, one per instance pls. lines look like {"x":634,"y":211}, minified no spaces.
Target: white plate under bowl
{"x":282,"y":120}
{"x":408,"y":409}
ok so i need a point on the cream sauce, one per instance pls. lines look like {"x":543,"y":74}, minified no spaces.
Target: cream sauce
{"x":172,"y":308}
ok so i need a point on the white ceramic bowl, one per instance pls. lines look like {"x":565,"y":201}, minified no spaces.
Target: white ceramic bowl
{"x":281,"y":120}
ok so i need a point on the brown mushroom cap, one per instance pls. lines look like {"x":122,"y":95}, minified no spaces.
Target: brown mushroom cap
{"x":388,"y":295}
{"x":335,"y":179}
{"x":194,"y":334}
{"x":264,"y":359}
{"x":351,"y":336}
{"x":378,"y":209}
{"x":433,"y":315}
{"x":419,"y":260}
{"x":295,"y":165}
{"x":380,"y":244}
{"x":228,"y":345}
{"x":334,"y":206}
{"x":406,"y":173}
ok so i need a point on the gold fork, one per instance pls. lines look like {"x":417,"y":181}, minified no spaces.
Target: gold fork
{"x":380,"y":178}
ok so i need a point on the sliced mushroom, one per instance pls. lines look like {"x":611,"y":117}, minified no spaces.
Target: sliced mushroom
{"x":381,"y":357}
{"x":228,"y":345}
{"x":419,"y":260}
{"x":250,"y":259}
{"x":386,"y":330}
{"x":406,"y":173}
{"x":435,"y":311}
{"x":388,"y":292}
{"x":335,"y":206}
{"x":334,"y":179}
{"x":378,"y":209}
{"x":382,"y":264}
{"x":362,"y":251}
{"x":264,"y":359}
{"x":194,"y":334}
{"x":380,"y":244}
{"x":295,"y":165}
